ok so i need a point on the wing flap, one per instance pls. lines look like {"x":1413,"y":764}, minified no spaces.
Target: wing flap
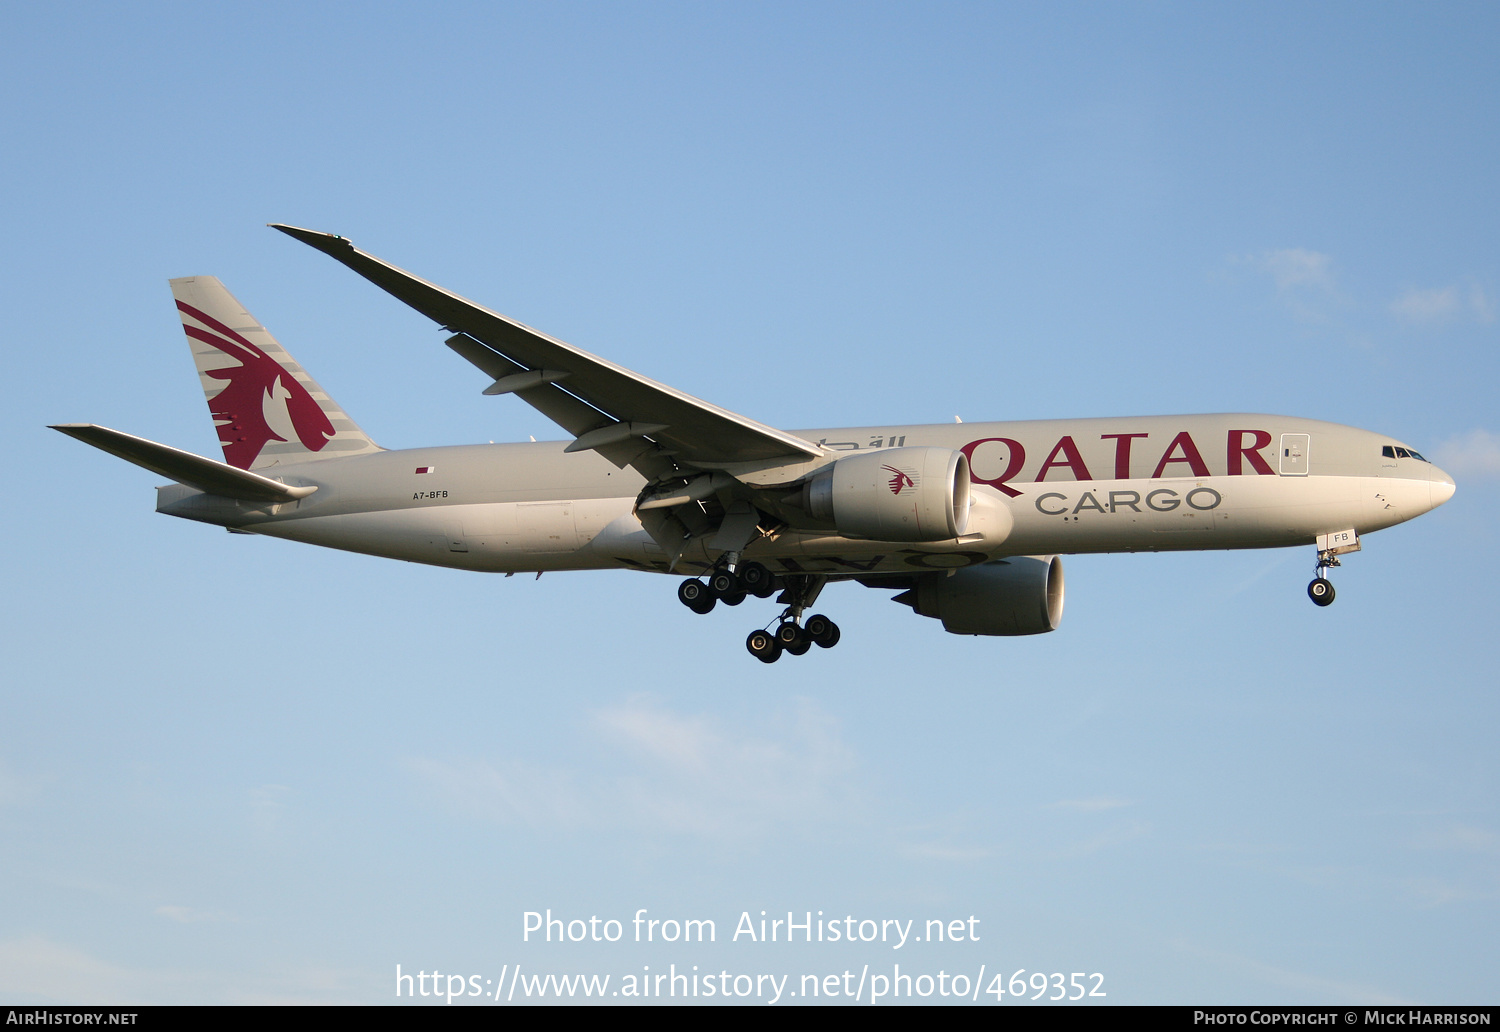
{"x":208,"y":475}
{"x":574,"y":415}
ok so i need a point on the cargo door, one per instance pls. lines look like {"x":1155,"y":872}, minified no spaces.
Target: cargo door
{"x":546,"y":527}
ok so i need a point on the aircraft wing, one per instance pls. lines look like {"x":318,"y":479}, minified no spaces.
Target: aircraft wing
{"x":605,"y":406}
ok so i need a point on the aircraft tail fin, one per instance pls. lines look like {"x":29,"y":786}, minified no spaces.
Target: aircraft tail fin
{"x":267,"y":410}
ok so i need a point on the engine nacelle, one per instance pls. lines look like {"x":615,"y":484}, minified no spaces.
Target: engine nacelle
{"x":896,"y":494}
{"x":1020,"y":595}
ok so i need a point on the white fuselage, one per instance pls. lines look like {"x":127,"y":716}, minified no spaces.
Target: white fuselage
{"x":1160,"y":483}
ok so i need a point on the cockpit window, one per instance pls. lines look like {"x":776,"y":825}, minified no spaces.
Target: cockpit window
{"x":1418,"y":457}
{"x":1402,"y":453}
{"x":1388,"y":451}
{"x":1391,"y":451}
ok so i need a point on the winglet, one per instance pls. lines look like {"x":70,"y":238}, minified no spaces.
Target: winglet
{"x":325,"y":242}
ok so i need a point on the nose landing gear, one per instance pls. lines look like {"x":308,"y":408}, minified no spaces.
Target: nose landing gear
{"x":1330,"y":547}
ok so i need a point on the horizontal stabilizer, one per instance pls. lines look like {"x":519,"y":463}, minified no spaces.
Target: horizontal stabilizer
{"x":218,"y":478}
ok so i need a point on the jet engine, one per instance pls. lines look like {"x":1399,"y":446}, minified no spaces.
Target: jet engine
{"x":896,"y":494}
{"x":1020,"y":595}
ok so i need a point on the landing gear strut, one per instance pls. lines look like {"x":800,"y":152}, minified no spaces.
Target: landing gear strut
{"x":1321,"y":589}
{"x":792,"y":634}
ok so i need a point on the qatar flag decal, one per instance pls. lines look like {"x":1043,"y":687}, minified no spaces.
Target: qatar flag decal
{"x":426,"y":469}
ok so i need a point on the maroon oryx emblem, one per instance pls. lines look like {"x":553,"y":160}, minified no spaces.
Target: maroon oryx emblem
{"x":257,"y":383}
{"x":899,"y":480}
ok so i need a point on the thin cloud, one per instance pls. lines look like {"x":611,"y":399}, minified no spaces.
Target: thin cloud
{"x":1433,"y":893}
{"x":1464,"y":838}
{"x":1117,"y":835}
{"x":187,"y":915}
{"x":705,"y":779}
{"x":1444,"y":304}
{"x":943,"y":851}
{"x":1295,"y":268}
{"x":1304,"y":279}
{"x":34,"y":969}
{"x":678,"y":772}
{"x":1094,"y":804}
{"x":14,"y":789}
{"x":267,"y":809}
{"x":508,"y":792}
{"x":1435,"y":305}
{"x":1316,"y":986}
{"x":1483,"y":308}
{"x":1474,"y":454}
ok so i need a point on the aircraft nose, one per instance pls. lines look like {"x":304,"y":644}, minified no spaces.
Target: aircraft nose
{"x":1442,"y":487}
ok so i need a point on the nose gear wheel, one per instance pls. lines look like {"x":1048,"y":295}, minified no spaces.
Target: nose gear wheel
{"x":1321,"y":591}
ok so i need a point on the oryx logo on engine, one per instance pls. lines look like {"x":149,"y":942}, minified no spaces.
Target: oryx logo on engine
{"x":901,"y":479}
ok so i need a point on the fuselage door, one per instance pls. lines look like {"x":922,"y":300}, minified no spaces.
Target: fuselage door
{"x":546,"y":526}
{"x":1294,"y":449}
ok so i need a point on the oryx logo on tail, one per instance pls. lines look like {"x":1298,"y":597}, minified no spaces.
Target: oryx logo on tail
{"x":261,"y":401}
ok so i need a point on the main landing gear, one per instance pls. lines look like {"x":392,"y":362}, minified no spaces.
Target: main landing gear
{"x":727,"y":586}
{"x":792,"y":634}
{"x":789,"y":636}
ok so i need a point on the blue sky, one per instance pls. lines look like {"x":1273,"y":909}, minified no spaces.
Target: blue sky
{"x":235,"y":769}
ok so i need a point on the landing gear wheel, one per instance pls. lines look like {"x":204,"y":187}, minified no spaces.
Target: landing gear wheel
{"x":757,"y":580}
{"x":724,"y":583}
{"x":734,"y":598}
{"x":1321,"y":591}
{"x":695,"y":595}
{"x":793,"y":638}
{"x":823,"y":631}
{"x":763,"y":646}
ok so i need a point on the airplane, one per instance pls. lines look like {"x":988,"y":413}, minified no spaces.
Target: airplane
{"x":966,"y":521}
